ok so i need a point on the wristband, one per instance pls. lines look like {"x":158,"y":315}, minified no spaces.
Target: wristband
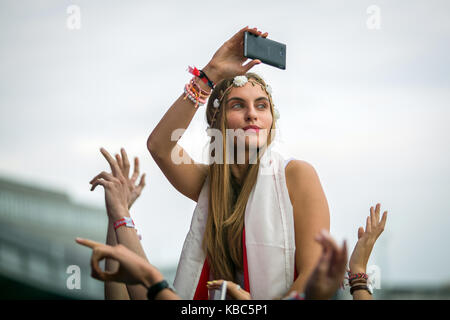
{"x":157,"y":288}
{"x":353,"y":289}
{"x":202,"y":76}
{"x":125,"y":221}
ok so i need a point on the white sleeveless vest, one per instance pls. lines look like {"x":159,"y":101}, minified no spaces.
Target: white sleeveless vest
{"x":269,"y":235}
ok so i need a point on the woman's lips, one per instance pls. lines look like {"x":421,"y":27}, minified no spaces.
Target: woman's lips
{"x":251,"y":129}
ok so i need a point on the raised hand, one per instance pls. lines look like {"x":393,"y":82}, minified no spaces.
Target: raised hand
{"x":228,"y":59}
{"x":133,"y":269}
{"x":329,"y":272}
{"x":117,"y":193}
{"x":366,"y":240}
{"x":124,"y":165}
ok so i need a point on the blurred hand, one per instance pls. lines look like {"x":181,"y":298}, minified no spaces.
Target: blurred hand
{"x":329,"y":272}
{"x":133,"y":269}
{"x":124,"y":165}
{"x":367,"y":239}
{"x":228,"y":59}
{"x":117,"y":193}
{"x":233,"y":290}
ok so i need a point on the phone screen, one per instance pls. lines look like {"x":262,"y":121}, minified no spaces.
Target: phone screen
{"x":268,"y":51}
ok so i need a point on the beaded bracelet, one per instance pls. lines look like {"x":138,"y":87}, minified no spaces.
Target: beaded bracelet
{"x":194,"y":98}
{"x":360,"y":275}
{"x":202,"y":92}
{"x":196,"y":94}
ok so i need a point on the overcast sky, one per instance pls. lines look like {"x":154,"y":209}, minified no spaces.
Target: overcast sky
{"x":368,"y":108}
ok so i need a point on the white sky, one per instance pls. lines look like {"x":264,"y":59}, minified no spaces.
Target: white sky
{"x":367,"y":108}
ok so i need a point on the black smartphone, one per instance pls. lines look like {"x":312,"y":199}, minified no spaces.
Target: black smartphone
{"x":266,"y":50}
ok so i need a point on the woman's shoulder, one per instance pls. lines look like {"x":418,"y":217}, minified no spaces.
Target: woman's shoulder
{"x":295,"y":167}
{"x":300,"y":175}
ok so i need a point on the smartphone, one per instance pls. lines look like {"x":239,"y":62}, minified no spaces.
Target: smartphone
{"x":220,"y":294}
{"x":268,"y":51}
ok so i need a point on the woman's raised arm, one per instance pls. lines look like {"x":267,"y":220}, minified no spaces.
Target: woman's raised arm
{"x":188,"y":177}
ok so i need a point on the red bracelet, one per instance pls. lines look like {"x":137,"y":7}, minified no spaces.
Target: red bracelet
{"x":202,"y":76}
{"x":126,"y":221}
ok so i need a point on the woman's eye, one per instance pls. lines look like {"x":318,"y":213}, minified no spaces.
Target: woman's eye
{"x":236,"y":105}
{"x":262,"y":106}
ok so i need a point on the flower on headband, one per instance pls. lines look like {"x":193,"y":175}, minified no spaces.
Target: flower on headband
{"x":269,"y":89}
{"x":216,"y":103}
{"x":240,"y":81}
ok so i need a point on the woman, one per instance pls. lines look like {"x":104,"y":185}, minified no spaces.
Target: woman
{"x":133,"y":268}
{"x":254,"y":228}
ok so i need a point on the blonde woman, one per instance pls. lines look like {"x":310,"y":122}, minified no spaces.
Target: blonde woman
{"x":255,"y":219}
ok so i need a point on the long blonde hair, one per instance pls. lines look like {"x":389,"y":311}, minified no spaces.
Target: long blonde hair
{"x":222,"y":241}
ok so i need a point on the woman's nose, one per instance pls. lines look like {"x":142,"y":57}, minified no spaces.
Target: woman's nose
{"x":251,"y":113}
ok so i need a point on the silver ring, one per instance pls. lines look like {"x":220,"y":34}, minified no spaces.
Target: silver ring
{"x":238,"y":287}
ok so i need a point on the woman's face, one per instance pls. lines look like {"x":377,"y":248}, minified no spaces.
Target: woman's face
{"x":248,"y":108}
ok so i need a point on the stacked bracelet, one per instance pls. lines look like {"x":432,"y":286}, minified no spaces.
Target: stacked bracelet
{"x":354,"y":276}
{"x":358,"y":281}
{"x":361,"y":287}
{"x":202,"y":75}
{"x":196,"y":94}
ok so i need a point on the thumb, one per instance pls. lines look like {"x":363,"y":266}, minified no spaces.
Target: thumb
{"x":360,"y":232}
{"x":251,"y":64}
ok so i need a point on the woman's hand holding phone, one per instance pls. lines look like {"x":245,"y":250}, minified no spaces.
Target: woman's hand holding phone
{"x":228,"y":59}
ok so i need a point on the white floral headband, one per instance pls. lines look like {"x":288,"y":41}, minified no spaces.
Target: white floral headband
{"x":240,"y":81}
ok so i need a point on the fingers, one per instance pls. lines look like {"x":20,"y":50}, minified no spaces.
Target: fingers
{"x":383,"y":220}
{"x":99,"y":253}
{"x":250,"y":65}
{"x":324,"y":261}
{"x":88,"y":243}
{"x":113,"y":164}
{"x":141,"y":184}
{"x":368,"y":225}
{"x":119,"y":162}
{"x":239,"y":35}
{"x":215,"y":284}
{"x":334,"y":259}
{"x":255,"y":31}
{"x":360,"y":232}
{"x":373,"y":223}
{"x":136,"y":170}
{"x":125,"y":162}
{"x":377,"y":212}
{"x":376,"y":224}
{"x":102,"y":175}
{"x":105,"y":184}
